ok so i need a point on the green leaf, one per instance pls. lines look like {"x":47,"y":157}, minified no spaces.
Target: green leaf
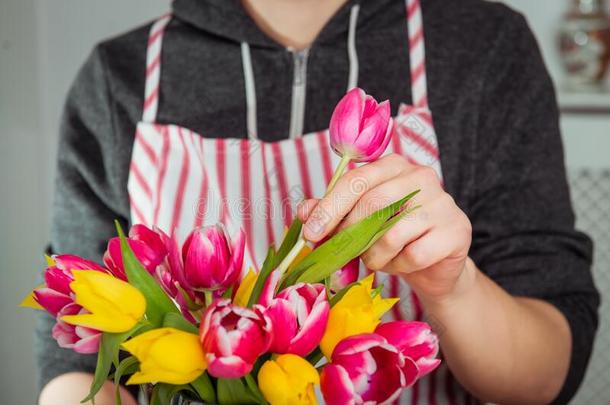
{"x":291,"y":238}
{"x":386,"y":227}
{"x":177,"y":321}
{"x":108,"y":353}
{"x":228,"y":293}
{"x":315,"y":357}
{"x":234,"y":392}
{"x":253,"y":387}
{"x":204,"y":388}
{"x":157,"y":302}
{"x":163,"y":394}
{"x":129,"y":365}
{"x":267,"y":268}
{"x":343,"y":246}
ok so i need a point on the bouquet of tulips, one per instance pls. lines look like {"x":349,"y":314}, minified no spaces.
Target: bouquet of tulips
{"x":186,"y":319}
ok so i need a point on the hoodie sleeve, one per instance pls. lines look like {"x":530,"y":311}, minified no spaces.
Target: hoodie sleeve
{"x":524,"y":234}
{"x":87,"y":197}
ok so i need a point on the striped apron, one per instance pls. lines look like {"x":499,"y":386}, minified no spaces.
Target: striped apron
{"x":179,"y":179}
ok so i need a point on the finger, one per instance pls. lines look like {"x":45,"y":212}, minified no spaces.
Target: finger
{"x":305,"y":208}
{"x":414,"y":178}
{"x":332,"y":208}
{"x":430,"y":249}
{"x":410,"y":228}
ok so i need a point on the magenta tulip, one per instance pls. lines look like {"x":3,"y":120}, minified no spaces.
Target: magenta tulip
{"x":147,"y":246}
{"x":366,"y":369}
{"x":360,"y":129}
{"x":298,"y":315}
{"x":414,"y":340}
{"x":211,"y":260}
{"x":346,"y":276}
{"x":57,"y":292}
{"x":78,"y":338}
{"x":233,"y":338}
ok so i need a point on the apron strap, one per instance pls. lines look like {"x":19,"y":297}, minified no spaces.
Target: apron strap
{"x":153,"y":69}
{"x":417,"y":54}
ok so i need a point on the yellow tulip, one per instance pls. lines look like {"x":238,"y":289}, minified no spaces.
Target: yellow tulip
{"x":356,"y":312}
{"x":288,"y":380}
{"x":166,"y":355}
{"x":242,"y":295}
{"x":30,"y":300}
{"x":114,"y":306}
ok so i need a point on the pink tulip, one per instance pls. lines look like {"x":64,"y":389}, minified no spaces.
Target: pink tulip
{"x":366,"y":369}
{"x":233,"y":338}
{"x":359,"y":127}
{"x":211,"y":260}
{"x":346,"y":276}
{"x":78,"y":338}
{"x":57,"y":292}
{"x":414,"y":340}
{"x":147,"y":245}
{"x":298,"y":314}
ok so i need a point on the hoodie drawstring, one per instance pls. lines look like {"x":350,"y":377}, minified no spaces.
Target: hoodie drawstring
{"x":246,"y":59}
{"x":250,"y":91}
{"x":352,"y":53}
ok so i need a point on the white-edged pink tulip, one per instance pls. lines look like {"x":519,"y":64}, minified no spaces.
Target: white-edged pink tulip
{"x":414,"y":340}
{"x":298,"y":314}
{"x":233,"y":338}
{"x":147,"y":246}
{"x":360,"y":128}
{"x":366,"y":369}
{"x":78,"y":338}
{"x":56,"y":293}
{"x":345,"y":276}
{"x":211,"y":260}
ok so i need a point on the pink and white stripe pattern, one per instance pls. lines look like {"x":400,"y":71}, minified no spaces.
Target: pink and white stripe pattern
{"x":179,"y":179}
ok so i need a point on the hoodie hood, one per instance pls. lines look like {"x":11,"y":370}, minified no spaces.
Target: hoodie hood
{"x":228,"y":19}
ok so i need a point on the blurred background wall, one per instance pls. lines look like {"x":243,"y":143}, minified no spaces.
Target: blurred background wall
{"x":42,"y":45}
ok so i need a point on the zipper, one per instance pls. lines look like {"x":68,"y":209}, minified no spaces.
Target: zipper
{"x":299,"y":87}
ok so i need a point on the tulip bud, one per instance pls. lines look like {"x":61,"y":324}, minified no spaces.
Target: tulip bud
{"x":166,"y":355}
{"x":146,"y":244}
{"x":366,"y":369}
{"x":112,"y":305}
{"x":211,"y":260}
{"x":356,"y":312}
{"x":288,"y":380}
{"x":359,"y":127}
{"x":299,"y":315}
{"x":56,"y":293}
{"x":414,"y":340}
{"x":233,"y":338}
{"x":345,"y":276}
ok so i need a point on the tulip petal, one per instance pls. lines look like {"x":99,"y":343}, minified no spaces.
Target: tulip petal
{"x":30,"y":300}
{"x":311,"y":332}
{"x":51,"y":300}
{"x":88,"y":345}
{"x":284,"y":321}
{"x":114,"y":305}
{"x":244,"y":291}
{"x":346,"y":118}
{"x":228,"y":366}
{"x":337,"y":387}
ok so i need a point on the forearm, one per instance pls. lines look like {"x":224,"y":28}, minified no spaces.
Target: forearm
{"x":501,"y":348}
{"x":71,"y":388}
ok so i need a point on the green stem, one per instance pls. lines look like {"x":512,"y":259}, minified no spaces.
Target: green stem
{"x":338,"y":173}
{"x":300,"y":244}
{"x":208,"y":297}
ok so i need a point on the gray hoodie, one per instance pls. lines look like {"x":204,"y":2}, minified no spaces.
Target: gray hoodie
{"x":493,"y":103}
